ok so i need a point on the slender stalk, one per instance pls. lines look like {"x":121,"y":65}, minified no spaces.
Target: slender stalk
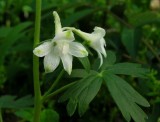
{"x":1,"y":119}
{"x":54,"y":83}
{"x":57,"y":91}
{"x":37,"y":92}
{"x":151,"y":49}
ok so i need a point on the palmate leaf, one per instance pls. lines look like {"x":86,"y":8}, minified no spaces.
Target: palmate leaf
{"x":126,"y":98}
{"x":132,"y":69}
{"x":82,"y":93}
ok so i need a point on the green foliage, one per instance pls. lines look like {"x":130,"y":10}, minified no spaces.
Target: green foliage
{"x":11,"y":35}
{"x":77,"y":16}
{"x":132,"y":69}
{"x":85,"y":62}
{"x":148,"y":17}
{"x":82,"y":93}
{"x":49,"y":115}
{"x":132,"y":33}
{"x":26,"y":114}
{"x":9,"y":101}
{"x":131,"y":39}
{"x":110,"y":60}
{"x":126,"y":98}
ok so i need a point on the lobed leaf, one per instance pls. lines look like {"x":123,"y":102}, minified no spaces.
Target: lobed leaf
{"x":128,"y":69}
{"x":126,"y":98}
{"x":81,"y":94}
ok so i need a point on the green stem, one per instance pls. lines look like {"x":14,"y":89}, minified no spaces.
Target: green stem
{"x":1,"y":119}
{"x":151,"y":49}
{"x":54,"y":83}
{"x":57,"y":91}
{"x":37,"y":92}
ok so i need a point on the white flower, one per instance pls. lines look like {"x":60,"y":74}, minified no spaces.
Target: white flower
{"x":61,"y":47}
{"x":94,"y":40}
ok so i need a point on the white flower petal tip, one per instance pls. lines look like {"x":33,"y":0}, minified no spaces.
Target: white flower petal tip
{"x":101,"y":59}
{"x":84,"y":53}
{"x":42,"y":49}
{"x":57,"y":21}
{"x":99,"y":30}
{"x":51,"y":62}
{"x":56,"y":16}
{"x":67,"y":63}
{"x":38,"y":52}
{"x":54,"y":13}
{"x":48,"y":69}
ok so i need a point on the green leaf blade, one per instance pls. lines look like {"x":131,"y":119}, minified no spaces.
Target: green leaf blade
{"x":88,"y":94}
{"x":130,"y":39}
{"x":82,"y":93}
{"x":126,"y":98}
{"x":109,"y":60}
{"x":132,"y":69}
{"x":49,"y":115}
{"x":85,"y":62}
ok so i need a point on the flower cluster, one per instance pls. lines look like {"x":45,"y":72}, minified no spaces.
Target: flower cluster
{"x":63,"y":47}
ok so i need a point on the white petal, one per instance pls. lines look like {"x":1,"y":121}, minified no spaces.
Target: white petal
{"x":51,"y":61}
{"x":64,"y":49}
{"x":65,"y":35}
{"x":98,"y":45}
{"x":77,"y":49}
{"x":102,"y":49}
{"x":101,"y":59}
{"x":99,"y":31}
{"x":43,"y":49}
{"x":58,"y":26}
{"x":67,"y":62}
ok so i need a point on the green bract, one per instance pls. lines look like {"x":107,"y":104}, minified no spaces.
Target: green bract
{"x":60,"y":47}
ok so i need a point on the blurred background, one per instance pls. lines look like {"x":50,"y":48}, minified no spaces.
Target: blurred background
{"x":133,"y":33}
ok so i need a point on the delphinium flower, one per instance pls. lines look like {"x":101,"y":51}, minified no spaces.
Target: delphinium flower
{"x":94,"y":40}
{"x":61,"y":47}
